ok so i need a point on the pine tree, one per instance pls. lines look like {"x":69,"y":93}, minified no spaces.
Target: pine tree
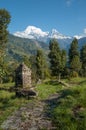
{"x":57,"y":58}
{"x":40,"y":64}
{"x":4,"y":21}
{"x":74,"y":57}
{"x":75,"y":64}
{"x":83,"y":59}
{"x":73,"y":51}
{"x":63,"y":59}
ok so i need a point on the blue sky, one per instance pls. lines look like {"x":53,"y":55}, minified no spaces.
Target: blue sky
{"x":67,"y":16}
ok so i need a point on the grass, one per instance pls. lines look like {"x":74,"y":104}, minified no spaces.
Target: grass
{"x":47,"y":88}
{"x":6,"y":85}
{"x":9,"y":103}
{"x":75,"y":81}
{"x":68,"y":111}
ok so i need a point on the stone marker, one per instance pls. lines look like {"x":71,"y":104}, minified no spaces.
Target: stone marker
{"x":23,"y":77}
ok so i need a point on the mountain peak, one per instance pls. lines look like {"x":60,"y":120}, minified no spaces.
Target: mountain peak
{"x":33,"y":32}
{"x":33,"y":29}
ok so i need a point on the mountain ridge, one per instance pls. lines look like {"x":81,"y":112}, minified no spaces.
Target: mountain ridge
{"x":17,"y":47}
{"x":32,"y":32}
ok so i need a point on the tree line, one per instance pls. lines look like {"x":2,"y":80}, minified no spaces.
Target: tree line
{"x":57,"y":64}
{"x":61,"y":64}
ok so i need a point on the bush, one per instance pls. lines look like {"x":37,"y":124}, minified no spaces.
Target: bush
{"x":73,"y":74}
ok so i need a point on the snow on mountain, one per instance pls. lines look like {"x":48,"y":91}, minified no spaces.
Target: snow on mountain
{"x":55,"y":34}
{"x":79,"y":37}
{"x":33,"y":32}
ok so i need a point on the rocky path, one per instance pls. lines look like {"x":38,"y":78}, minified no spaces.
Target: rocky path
{"x":31,"y":117}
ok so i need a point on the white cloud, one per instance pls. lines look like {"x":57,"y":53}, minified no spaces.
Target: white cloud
{"x":85,"y":30}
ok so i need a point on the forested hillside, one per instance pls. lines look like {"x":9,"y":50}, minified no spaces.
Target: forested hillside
{"x":18,"y":47}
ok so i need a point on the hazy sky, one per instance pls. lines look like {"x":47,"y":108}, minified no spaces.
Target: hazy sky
{"x":67,"y":16}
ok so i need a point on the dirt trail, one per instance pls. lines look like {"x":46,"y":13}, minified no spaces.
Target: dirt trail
{"x":31,"y":117}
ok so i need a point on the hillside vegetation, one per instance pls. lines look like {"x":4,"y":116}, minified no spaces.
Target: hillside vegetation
{"x":18,"y":47}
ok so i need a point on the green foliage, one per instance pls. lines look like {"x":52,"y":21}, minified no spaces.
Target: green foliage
{"x":73,"y":51}
{"x":40,"y":64}
{"x":7,"y":71}
{"x":63,"y":60}
{"x":74,"y":57}
{"x":75,"y":64}
{"x":18,"y":47}
{"x":33,"y":68}
{"x":57,"y":58}
{"x":4,"y":21}
{"x":3,"y":71}
{"x":83,"y":60}
{"x":8,"y":102}
{"x":47,"y":88}
{"x":69,"y":111}
{"x":26,"y":61}
{"x":73,"y":74}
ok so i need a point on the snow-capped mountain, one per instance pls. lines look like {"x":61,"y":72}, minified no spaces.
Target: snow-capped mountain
{"x":32,"y":32}
{"x":55,"y":34}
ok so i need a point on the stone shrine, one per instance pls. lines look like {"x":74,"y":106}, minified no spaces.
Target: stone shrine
{"x":23,"y":77}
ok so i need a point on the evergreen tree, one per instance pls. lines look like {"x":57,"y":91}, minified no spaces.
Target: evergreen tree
{"x":75,"y":64}
{"x":74,"y":57}
{"x":40,"y":65}
{"x":63,"y":62}
{"x":4,"y":21}
{"x":57,"y":58}
{"x":73,"y":51}
{"x":83,"y":59}
{"x":63,"y":59}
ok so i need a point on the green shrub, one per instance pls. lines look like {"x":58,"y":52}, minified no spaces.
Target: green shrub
{"x":73,"y":74}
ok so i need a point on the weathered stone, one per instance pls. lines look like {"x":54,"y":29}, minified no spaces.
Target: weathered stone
{"x":23,"y":76}
{"x":25,"y":93}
